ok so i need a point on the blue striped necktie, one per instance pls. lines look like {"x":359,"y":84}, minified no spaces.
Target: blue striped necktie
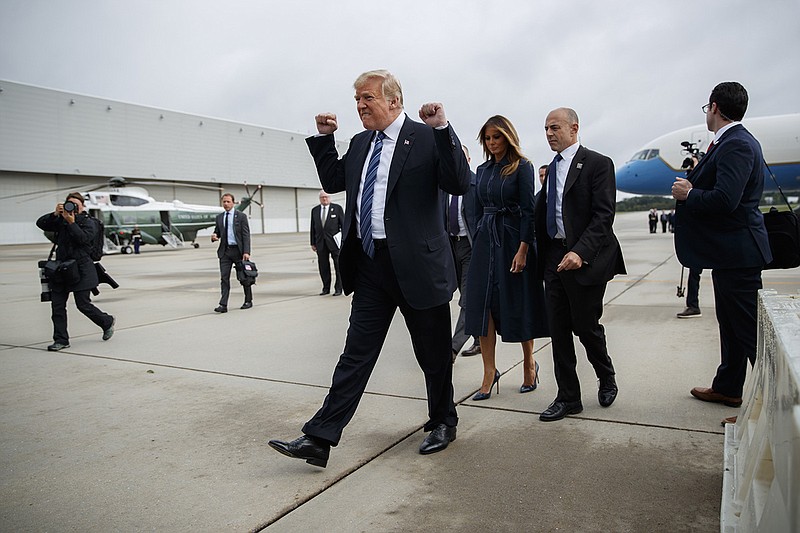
{"x":365,"y":224}
{"x":552,"y":228}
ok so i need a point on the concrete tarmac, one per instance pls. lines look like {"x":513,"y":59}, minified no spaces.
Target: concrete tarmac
{"x":165,"y":426}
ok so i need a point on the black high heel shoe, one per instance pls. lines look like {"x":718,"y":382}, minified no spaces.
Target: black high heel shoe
{"x":486,"y":395}
{"x":528,"y":388}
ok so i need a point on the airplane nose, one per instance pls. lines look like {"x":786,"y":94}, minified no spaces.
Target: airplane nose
{"x":625,"y":177}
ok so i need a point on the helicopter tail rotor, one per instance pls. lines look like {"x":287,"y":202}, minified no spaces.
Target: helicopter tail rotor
{"x":248,"y":200}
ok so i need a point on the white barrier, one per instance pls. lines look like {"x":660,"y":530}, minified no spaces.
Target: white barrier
{"x":761,"y":482}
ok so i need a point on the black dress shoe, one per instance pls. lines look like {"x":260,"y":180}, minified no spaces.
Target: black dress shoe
{"x":246,"y":305}
{"x":608,"y":391}
{"x":475,"y":349}
{"x":312,"y":451}
{"x":221,"y":309}
{"x":438,"y":439}
{"x":324,"y":292}
{"x":337,"y":293}
{"x":559,"y":409}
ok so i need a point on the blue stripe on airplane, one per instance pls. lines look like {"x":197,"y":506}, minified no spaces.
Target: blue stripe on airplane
{"x":654,"y":176}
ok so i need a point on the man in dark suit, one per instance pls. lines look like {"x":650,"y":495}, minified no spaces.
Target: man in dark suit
{"x":719,"y":226}
{"x":395,"y":254}
{"x":461,"y":225}
{"x":233,"y":233}
{"x":326,"y":229}
{"x":578,"y":255}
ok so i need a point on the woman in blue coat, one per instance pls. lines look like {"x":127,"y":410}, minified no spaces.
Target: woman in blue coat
{"x":503,"y":294}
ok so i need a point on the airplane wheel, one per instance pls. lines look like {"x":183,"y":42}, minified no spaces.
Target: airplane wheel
{"x":196,"y":245}
{"x":126,"y":249}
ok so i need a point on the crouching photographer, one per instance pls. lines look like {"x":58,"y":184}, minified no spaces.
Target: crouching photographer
{"x":75,"y":231}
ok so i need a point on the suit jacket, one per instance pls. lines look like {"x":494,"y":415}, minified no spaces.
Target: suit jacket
{"x":241,"y":230}
{"x":468,"y":208}
{"x":588,"y":206}
{"x":425,"y":160}
{"x":719,"y":225}
{"x":323,"y":234}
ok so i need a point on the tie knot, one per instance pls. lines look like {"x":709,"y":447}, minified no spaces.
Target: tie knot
{"x":380,"y":137}
{"x":557,"y":158}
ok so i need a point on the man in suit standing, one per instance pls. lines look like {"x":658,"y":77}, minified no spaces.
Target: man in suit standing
{"x":460,"y":222}
{"x":233,"y":233}
{"x":542,"y":176}
{"x":719,"y":226}
{"x":578,"y":255}
{"x":395,"y":254}
{"x":326,"y":224}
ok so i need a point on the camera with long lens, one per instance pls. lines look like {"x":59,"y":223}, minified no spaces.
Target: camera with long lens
{"x":45,"y":296}
{"x":70,"y":206}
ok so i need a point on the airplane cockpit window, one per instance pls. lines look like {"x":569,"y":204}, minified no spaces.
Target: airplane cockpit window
{"x":126,"y":200}
{"x":645,"y":155}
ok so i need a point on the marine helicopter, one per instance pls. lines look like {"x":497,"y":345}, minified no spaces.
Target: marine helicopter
{"x":122,"y":206}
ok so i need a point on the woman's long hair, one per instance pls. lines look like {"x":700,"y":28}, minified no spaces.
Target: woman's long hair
{"x":513,"y":152}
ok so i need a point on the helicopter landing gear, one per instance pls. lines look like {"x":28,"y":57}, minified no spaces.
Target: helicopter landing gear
{"x":126,"y":249}
{"x":196,"y":245}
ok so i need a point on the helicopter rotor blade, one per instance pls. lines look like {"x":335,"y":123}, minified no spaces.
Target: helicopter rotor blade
{"x":35,"y":195}
{"x":174,"y":184}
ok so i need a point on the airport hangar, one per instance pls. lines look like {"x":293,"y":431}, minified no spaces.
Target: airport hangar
{"x":56,"y":140}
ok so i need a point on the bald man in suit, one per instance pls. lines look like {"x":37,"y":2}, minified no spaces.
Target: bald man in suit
{"x":326,"y":224}
{"x":579,"y":254}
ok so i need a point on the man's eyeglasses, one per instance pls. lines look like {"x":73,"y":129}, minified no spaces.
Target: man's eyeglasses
{"x":705,"y":108}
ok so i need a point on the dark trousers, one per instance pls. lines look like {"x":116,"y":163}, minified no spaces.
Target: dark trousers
{"x":324,"y":255}
{"x":736,"y":300}
{"x":83,"y":300}
{"x":376,"y":297}
{"x":230,"y":256}
{"x":693,"y":288}
{"x":462,"y":253}
{"x":573,"y":308}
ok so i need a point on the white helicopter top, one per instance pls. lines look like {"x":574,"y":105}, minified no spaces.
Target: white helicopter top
{"x":137,"y":198}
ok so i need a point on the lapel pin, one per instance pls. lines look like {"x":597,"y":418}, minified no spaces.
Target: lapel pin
{"x":407,"y":142}
{"x":579,"y":166}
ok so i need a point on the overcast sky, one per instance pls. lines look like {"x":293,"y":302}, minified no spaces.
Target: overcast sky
{"x":633,"y":70}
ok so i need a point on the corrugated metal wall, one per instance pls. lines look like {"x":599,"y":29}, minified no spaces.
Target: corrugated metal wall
{"x":58,"y":140}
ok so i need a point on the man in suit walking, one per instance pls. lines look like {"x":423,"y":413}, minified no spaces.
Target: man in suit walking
{"x":395,"y":254}
{"x":719,"y":226}
{"x":578,"y":255}
{"x":326,"y":229}
{"x":460,"y":222}
{"x":233,"y":233}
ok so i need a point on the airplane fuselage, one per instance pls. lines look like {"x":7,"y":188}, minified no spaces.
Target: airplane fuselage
{"x":653,"y":168}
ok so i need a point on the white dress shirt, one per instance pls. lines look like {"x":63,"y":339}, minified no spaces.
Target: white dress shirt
{"x":562,"y":169}
{"x":392,"y":133}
